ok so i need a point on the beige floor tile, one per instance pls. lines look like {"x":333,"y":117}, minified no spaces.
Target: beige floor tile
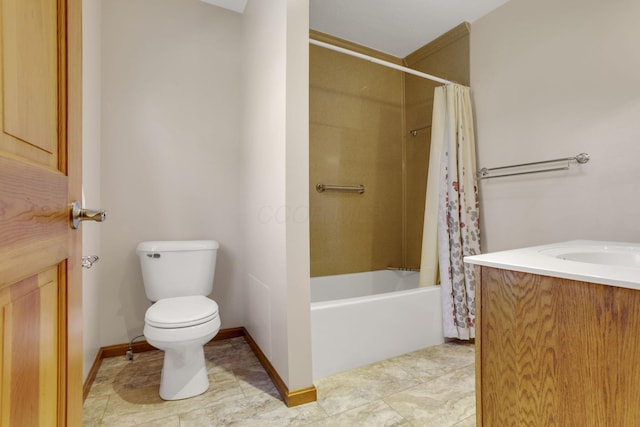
{"x":421,"y":410}
{"x":230,"y":413}
{"x":431,"y":387}
{"x":358,"y":387}
{"x":93,"y":410}
{"x":230,"y":354}
{"x":432,"y":362}
{"x":340,"y":395}
{"x":442,"y":402}
{"x":282,"y":416}
{"x":133,"y":407}
{"x":386,"y":379}
{"x":377,"y":414}
{"x":253,"y":379}
{"x":172,"y":421}
{"x":468,"y":422}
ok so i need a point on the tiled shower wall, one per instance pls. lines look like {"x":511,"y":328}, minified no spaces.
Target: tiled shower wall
{"x":360,"y":115}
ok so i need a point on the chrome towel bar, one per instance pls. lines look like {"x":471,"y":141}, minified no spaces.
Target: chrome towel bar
{"x":485,"y":173}
{"x":320,"y":188}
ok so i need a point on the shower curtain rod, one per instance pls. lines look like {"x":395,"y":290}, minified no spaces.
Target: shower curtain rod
{"x":379,"y":61}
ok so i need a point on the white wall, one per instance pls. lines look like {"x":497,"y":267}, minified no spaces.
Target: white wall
{"x":275,"y":175}
{"x":91,"y":233}
{"x":171,"y":121}
{"x":205,"y":135}
{"x":297,"y":190}
{"x":553,"y":79}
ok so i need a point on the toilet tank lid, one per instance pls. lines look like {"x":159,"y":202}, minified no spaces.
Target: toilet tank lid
{"x":177,"y":245}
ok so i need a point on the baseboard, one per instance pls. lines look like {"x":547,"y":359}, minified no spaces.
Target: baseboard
{"x":291,"y":398}
{"x":92,"y":375}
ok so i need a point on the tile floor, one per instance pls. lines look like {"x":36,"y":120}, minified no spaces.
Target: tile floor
{"x":432,"y":387}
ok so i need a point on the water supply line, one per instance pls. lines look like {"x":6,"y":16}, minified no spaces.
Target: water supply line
{"x":130,"y":350}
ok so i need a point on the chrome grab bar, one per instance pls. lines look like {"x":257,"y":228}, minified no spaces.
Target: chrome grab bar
{"x":414,"y":132}
{"x":403,"y":269}
{"x":320,"y":188}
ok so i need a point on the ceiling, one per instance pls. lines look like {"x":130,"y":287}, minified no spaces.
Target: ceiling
{"x":396,"y":27}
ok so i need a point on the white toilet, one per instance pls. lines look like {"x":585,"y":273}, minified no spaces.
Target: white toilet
{"x":178,"y":276}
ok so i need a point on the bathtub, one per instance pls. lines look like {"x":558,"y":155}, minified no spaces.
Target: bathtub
{"x":362,"y":318}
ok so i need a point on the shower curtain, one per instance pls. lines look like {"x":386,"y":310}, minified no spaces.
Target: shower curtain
{"x":451,"y":209}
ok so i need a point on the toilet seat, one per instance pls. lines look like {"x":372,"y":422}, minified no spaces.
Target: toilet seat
{"x":181,"y":312}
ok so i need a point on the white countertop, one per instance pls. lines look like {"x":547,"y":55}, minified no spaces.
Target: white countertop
{"x":607,"y":263}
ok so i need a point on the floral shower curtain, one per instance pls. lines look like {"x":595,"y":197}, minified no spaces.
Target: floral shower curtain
{"x":458,"y":224}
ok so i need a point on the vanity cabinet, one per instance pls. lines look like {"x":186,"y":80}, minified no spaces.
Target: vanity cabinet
{"x":555,"y":352}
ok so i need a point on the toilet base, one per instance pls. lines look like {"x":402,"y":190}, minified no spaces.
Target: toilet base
{"x":184,"y":373}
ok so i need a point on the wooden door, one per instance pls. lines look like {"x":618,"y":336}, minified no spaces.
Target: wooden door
{"x":40,"y":174}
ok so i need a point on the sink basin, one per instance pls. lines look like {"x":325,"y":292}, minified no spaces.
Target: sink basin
{"x":605,"y":255}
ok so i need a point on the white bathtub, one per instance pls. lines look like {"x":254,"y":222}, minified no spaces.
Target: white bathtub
{"x":361,"y":318}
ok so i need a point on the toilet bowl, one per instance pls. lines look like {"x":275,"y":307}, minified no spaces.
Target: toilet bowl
{"x":180,"y":327}
{"x":178,"y":276}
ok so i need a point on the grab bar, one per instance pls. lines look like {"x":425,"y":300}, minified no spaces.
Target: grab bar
{"x":320,"y":188}
{"x":403,"y":269}
{"x":581,"y":158}
{"x":414,"y":132}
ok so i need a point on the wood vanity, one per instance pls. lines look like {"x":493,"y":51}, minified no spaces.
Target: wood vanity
{"x":555,"y":351}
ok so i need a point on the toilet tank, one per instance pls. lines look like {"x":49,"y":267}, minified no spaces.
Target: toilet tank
{"x":177,"y":268}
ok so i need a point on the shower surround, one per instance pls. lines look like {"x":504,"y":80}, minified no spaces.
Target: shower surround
{"x":360,"y":117}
